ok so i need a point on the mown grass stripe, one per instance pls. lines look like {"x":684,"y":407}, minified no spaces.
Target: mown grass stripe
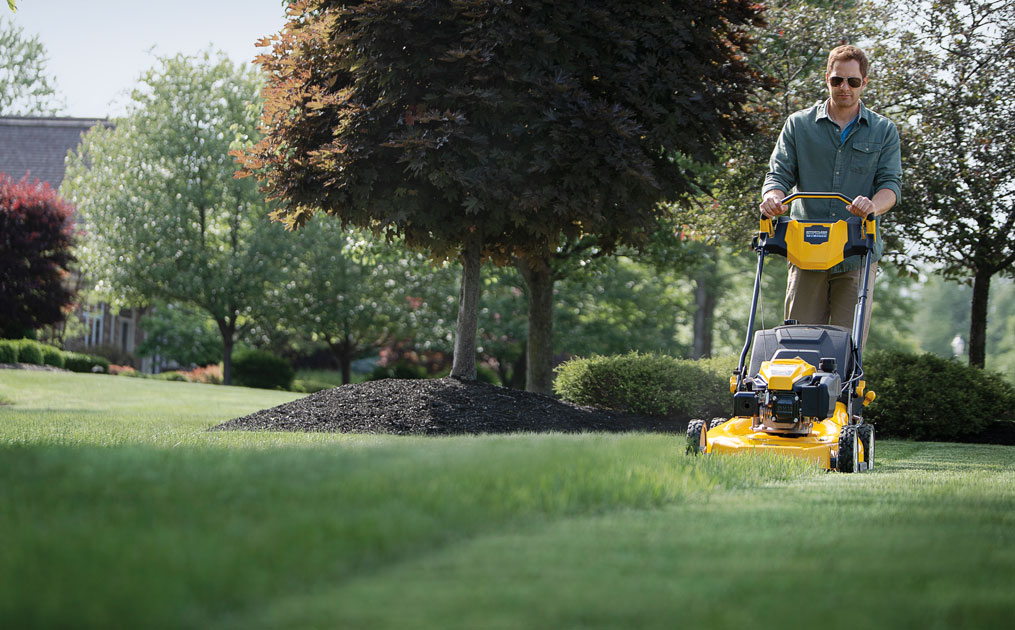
{"x":822,"y":552}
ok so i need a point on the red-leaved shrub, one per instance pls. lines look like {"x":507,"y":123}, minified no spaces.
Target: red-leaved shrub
{"x":36,"y":236}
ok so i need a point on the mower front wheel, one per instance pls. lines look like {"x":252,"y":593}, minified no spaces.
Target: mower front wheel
{"x":697,"y":440}
{"x":865,"y":433}
{"x":846,"y":460}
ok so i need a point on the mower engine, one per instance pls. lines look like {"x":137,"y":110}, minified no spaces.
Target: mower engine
{"x":789,"y":395}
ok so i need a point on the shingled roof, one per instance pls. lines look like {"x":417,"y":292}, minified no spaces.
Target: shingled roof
{"x":38,"y":145}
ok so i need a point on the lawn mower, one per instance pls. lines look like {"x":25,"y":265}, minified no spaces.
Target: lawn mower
{"x":804,"y":390}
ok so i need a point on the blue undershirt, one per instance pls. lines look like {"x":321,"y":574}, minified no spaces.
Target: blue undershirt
{"x":849,"y":127}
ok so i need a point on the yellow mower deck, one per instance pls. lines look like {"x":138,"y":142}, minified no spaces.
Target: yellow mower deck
{"x":821,"y":445}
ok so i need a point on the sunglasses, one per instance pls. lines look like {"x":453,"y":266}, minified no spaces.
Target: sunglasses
{"x":854,"y":82}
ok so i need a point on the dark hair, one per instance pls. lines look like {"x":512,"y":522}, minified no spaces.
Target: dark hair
{"x":847,"y":53}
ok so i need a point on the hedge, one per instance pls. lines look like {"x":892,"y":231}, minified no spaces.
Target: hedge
{"x":29,"y":351}
{"x":38,"y":353}
{"x":8,"y":351}
{"x":257,"y":368}
{"x":926,"y":397}
{"x":78,"y":362}
{"x":648,"y":384}
{"x":53,"y":356}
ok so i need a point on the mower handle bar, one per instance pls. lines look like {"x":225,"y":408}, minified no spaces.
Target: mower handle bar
{"x":819,"y":195}
{"x":858,"y":316}
{"x":816,"y":195}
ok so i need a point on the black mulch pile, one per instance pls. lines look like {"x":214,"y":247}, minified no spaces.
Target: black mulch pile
{"x":444,"y":406}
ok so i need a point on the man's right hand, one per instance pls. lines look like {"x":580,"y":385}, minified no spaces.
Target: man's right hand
{"x":771,"y":206}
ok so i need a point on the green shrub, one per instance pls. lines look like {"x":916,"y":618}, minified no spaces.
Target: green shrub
{"x":925,"y":397}
{"x":399,"y":369}
{"x":170,"y":376}
{"x":114,"y":355}
{"x":304,"y":386}
{"x":257,"y":368}
{"x":486,"y":374}
{"x":8,"y":351}
{"x":52,"y":356}
{"x":648,"y":384}
{"x":29,"y":352}
{"x":78,"y":362}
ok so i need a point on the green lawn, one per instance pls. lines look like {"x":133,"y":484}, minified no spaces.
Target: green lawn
{"x":118,"y":509}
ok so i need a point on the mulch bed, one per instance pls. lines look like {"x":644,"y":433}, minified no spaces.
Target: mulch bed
{"x":445,"y":406}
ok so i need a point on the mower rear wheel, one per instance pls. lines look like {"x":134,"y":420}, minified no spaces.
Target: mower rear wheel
{"x":716,"y":422}
{"x":846,"y":461}
{"x":696,"y":438}
{"x":865,"y":433}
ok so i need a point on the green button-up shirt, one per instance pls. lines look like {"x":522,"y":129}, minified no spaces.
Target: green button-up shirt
{"x":811,"y":157}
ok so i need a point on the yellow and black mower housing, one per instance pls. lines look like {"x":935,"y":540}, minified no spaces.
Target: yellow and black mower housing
{"x":803,"y":390}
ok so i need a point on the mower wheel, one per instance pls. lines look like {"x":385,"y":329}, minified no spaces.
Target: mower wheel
{"x":848,"y":451}
{"x":696,"y":438}
{"x":716,"y":422}
{"x":865,"y":432}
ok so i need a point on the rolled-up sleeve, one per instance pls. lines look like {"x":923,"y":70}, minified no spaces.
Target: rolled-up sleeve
{"x":889,"y":170}
{"x":782,"y":166}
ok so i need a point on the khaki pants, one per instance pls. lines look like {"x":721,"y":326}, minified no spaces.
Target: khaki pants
{"x":820,"y":297}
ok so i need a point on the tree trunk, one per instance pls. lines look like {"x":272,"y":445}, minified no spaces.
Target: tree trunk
{"x":463,"y":364}
{"x":539,"y":280}
{"x":704,"y":314}
{"x":228,"y":331}
{"x":978,"y":320}
{"x":343,"y":352}
{"x":518,"y":370}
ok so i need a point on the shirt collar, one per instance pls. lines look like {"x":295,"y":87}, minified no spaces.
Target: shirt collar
{"x":821,"y":111}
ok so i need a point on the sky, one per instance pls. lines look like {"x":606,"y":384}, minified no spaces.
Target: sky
{"x":97,"y":49}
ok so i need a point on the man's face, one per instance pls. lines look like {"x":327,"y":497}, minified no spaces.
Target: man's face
{"x":844,"y":95}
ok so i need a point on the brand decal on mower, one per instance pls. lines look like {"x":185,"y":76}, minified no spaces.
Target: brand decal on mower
{"x":816,"y":234}
{"x":782,"y":370}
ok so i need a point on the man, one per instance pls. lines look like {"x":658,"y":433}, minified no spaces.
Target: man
{"x":836,"y":146}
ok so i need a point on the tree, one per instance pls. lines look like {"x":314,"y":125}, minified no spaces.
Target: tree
{"x":180,"y":333}
{"x":621,"y":304}
{"x":25,"y":87}
{"x":36,"y":237}
{"x":353,"y":293}
{"x":959,"y":199}
{"x":492,"y":129}
{"x":164,"y":218}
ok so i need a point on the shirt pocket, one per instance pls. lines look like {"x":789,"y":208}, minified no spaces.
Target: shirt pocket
{"x":864,"y":157}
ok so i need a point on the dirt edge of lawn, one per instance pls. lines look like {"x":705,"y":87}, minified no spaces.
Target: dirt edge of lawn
{"x":445,"y":406}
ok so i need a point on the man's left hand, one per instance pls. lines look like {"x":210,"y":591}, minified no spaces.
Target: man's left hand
{"x":862,"y":207}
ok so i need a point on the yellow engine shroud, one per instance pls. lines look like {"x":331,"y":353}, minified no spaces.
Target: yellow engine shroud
{"x":820,"y":443}
{"x":780,"y":374}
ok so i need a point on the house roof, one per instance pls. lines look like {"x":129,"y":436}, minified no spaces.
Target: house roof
{"x":38,"y":145}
